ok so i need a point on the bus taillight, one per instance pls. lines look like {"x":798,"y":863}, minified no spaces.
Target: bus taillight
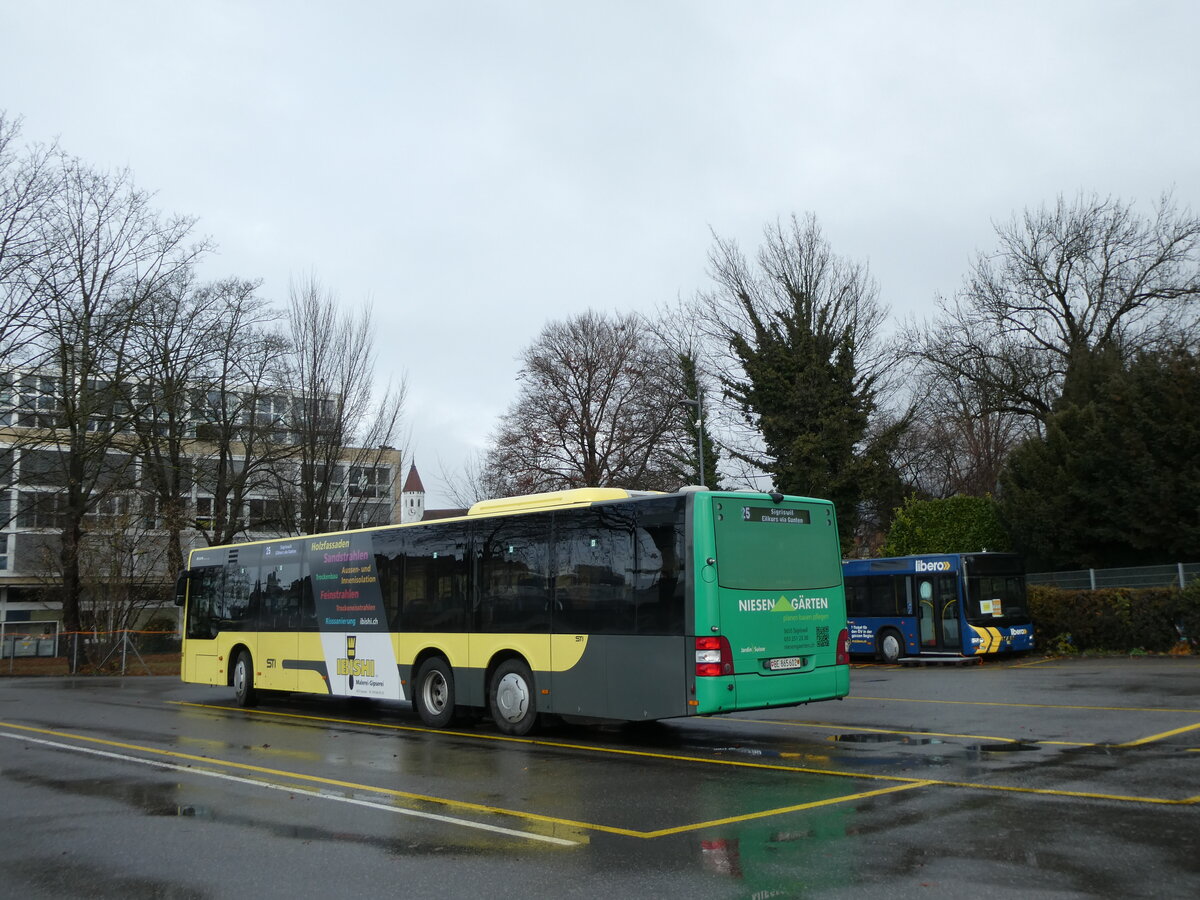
{"x":714,"y":657}
{"x":843,"y":648}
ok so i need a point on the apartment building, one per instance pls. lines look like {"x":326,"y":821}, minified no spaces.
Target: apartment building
{"x":124,"y":549}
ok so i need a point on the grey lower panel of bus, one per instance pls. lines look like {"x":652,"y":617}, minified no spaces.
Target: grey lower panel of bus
{"x":317,"y":666}
{"x":619,"y":677}
{"x":624,"y":677}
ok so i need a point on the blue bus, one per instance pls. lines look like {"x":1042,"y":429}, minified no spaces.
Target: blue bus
{"x":948,"y":605}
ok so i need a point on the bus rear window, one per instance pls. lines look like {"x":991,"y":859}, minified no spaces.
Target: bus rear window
{"x":761,"y":546}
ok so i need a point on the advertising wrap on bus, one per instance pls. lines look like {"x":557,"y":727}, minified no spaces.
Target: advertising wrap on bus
{"x":597,"y":603}
{"x":355,"y":642}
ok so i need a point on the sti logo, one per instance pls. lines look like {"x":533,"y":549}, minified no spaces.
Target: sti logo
{"x":942,"y":566}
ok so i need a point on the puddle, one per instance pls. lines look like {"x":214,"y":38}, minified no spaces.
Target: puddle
{"x":870,"y":738}
{"x":1013,"y":747}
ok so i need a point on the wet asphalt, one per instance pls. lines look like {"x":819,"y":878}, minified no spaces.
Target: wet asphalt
{"x":1037,"y":777}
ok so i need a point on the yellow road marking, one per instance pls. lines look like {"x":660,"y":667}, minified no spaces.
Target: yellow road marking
{"x":1158,"y":737}
{"x":294,"y":790}
{"x":1052,"y":792}
{"x":746,"y":764}
{"x":662,"y":832}
{"x":976,"y":737}
{"x":460,"y":804}
{"x":858,"y":728}
{"x":1030,"y":705}
{"x":565,"y":745}
{"x":332,"y":782}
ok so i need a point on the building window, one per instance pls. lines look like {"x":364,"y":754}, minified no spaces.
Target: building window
{"x":265,"y":514}
{"x":40,"y":509}
{"x":40,"y":406}
{"x":373,"y":482}
{"x":204,"y":512}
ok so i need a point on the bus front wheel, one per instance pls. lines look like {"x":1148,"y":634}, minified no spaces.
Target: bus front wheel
{"x":434,"y":694}
{"x":891,"y":646}
{"x":512,"y":699}
{"x":243,"y":680}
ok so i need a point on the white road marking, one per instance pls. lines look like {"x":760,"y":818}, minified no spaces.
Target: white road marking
{"x":449,"y":820}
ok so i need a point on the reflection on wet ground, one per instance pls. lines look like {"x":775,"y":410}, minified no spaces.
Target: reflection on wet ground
{"x":873,"y":800}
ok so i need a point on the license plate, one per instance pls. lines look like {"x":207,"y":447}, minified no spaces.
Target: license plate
{"x":785,"y":662}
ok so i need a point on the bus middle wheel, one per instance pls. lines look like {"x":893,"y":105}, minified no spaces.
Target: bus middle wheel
{"x":511,"y":698}
{"x":433,"y":695}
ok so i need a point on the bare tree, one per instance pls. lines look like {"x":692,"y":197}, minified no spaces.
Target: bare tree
{"x":471,"y":483}
{"x":27,"y":187}
{"x":955,"y":444}
{"x":345,"y":439}
{"x":597,"y":408}
{"x":105,"y":252}
{"x":1067,"y":286}
{"x":698,"y":391}
{"x":239,"y":403}
{"x":123,"y":560}
{"x":202,"y":347}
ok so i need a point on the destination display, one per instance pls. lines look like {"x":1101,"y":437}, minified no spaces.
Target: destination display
{"x":775,"y":515}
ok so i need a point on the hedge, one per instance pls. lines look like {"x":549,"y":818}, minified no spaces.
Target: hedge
{"x":1151,"y":620}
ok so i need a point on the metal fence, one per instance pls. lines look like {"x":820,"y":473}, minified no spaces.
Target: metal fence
{"x":1170,"y":575}
{"x":42,"y":648}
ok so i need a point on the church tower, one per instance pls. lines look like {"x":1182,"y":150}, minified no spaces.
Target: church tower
{"x":412,"y":497}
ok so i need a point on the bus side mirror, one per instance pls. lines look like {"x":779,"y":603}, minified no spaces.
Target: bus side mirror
{"x":181,"y":585}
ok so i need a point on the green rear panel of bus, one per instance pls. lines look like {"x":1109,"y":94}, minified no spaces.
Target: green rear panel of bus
{"x":770,"y":583}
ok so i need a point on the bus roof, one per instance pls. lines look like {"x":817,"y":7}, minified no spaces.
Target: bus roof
{"x":552,"y":500}
{"x":925,"y":562}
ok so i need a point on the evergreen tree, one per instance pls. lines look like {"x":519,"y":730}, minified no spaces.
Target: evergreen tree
{"x":1116,"y":480}
{"x":805,"y":371}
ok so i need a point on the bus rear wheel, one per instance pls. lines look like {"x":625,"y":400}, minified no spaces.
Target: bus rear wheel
{"x":434,"y":693}
{"x":891,"y":646}
{"x":243,"y":680}
{"x":512,"y":699}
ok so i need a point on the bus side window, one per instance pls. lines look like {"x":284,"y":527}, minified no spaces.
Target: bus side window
{"x":514,"y":575}
{"x":241,"y":598}
{"x":660,"y":556}
{"x":901,"y":596}
{"x":594,"y":569}
{"x":204,"y":602}
{"x":389,"y":566}
{"x":308,"y":603}
{"x":434,"y":596}
{"x":856,"y":596}
{"x":281,"y":597}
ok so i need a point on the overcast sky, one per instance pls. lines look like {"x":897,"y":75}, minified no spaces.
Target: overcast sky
{"x":476,"y":169}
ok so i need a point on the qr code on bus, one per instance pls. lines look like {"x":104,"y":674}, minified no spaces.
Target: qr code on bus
{"x":822,"y":635}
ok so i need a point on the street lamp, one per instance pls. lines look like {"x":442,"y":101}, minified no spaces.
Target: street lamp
{"x":699,"y":433}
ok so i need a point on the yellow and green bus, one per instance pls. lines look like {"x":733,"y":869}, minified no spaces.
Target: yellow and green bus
{"x":597,"y":603}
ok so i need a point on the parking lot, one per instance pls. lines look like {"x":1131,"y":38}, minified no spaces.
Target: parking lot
{"x":1043,"y":777}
